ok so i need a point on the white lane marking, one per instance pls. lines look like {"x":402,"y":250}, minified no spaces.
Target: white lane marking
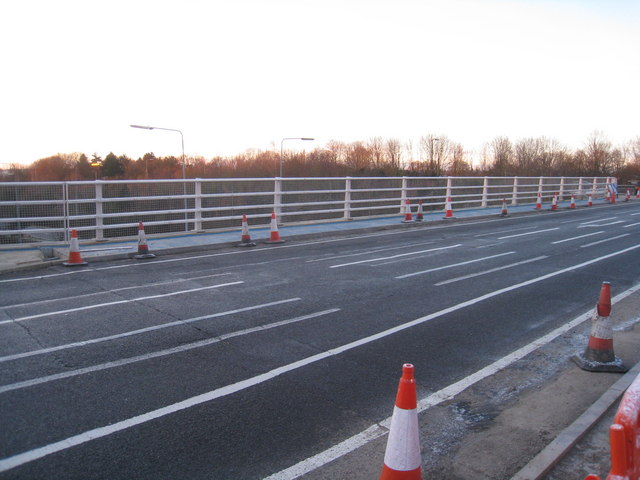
{"x":29,"y":456}
{"x":177,"y":323}
{"x":601,"y":224}
{"x":596,"y":221}
{"x":605,"y":240}
{"x":631,"y":225}
{"x":407,"y":275}
{"x":396,"y":256}
{"x":253,"y":250}
{"x":529,"y":233}
{"x":117,"y":302}
{"x":578,"y":237}
{"x":381,"y":429}
{"x":161,"y":353}
{"x":113,"y":290}
{"x":635,"y":214}
{"x":368,"y":252}
{"x":492,"y":270}
{"x":504,"y":231}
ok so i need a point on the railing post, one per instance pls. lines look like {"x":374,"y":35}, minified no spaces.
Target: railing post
{"x":403,"y":195}
{"x":540,"y":185}
{"x":277,"y":198}
{"x":448,"y":194}
{"x":561,"y":192}
{"x":595,"y":186}
{"x":197,"y":216}
{"x":580,"y":189}
{"x":514,"y":195}
{"x":485,"y":188}
{"x":347,"y":198}
{"x":99,"y":213}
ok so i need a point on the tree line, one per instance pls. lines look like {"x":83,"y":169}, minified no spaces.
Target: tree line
{"x":431,"y":155}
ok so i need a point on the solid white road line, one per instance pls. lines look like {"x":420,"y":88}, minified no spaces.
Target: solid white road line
{"x":381,"y":429}
{"x":117,"y":302}
{"x":161,"y":353}
{"x":504,"y":231}
{"x":596,"y":221}
{"x":395,"y":256}
{"x":407,"y":275}
{"x":492,"y":270}
{"x":177,"y":323}
{"x":14,"y":461}
{"x":605,"y":240}
{"x":529,"y":233}
{"x":631,"y":225}
{"x":578,"y":237}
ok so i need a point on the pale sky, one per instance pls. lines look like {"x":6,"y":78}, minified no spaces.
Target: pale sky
{"x":234,"y":75}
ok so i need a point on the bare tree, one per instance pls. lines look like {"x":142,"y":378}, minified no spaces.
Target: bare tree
{"x":502,"y":153}
{"x":436,"y":150}
{"x":393,"y":150}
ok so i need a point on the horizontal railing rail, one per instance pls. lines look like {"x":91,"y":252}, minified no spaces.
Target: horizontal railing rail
{"x":34,"y":212}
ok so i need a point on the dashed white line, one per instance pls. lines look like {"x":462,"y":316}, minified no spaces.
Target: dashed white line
{"x":161,"y":353}
{"x":610,"y":239}
{"x":407,"y":275}
{"x":395,"y":256}
{"x":529,"y":233}
{"x":117,"y":302}
{"x":492,"y":270}
{"x":578,"y":237}
{"x":177,"y":323}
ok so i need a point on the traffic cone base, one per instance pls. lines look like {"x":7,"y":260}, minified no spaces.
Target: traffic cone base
{"x":408,"y":216}
{"x":75,"y":259}
{"x":448,"y":209}
{"x":599,"y":355}
{"x":420,"y":213}
{"x":143,"y":248}
{"x":504,"y":212}
{"x":539,"y":202}
{"x":245,"y":238}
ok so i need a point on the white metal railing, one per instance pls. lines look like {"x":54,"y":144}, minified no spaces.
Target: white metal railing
{"x":46,"y":211}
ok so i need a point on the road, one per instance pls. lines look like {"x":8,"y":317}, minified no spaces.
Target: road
{"x":239,"y":363}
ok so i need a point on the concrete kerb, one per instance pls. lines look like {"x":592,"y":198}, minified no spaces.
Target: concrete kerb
{"x":36,"y":259}
{"x":567,"y":439}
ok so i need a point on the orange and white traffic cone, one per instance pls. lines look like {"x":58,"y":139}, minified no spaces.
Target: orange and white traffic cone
{"x":637,"y":192}
{"x":419,"y":214}
{"x":408,"y":216}
{"x":275,"y":235}
{"x":503,"y":212}
{"x":599,"y":355}
{"x":590,"y":201}
{"x":245,"y":238}
{"x":628,"y":195}
{"x":143,"y":248}
{"x":402,"y":459}
{"x":448,"y":209}
{"x":75,"y":259}
{"x":539,"y":202}
{"x":554,"y":202}
{"x":573,"y":202}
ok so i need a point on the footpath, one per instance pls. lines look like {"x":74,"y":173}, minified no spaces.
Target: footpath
{"x":568,"y":416}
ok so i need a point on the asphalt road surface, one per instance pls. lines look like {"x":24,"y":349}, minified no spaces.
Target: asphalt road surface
{"x":241,"y":363}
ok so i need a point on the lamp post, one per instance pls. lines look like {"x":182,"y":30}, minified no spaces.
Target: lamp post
{"x":184,"y":165}
{"x":290,"y":138}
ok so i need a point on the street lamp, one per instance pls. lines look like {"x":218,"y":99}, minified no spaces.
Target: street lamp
{"x":184,"y":165}
{"x":290,"y":138}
